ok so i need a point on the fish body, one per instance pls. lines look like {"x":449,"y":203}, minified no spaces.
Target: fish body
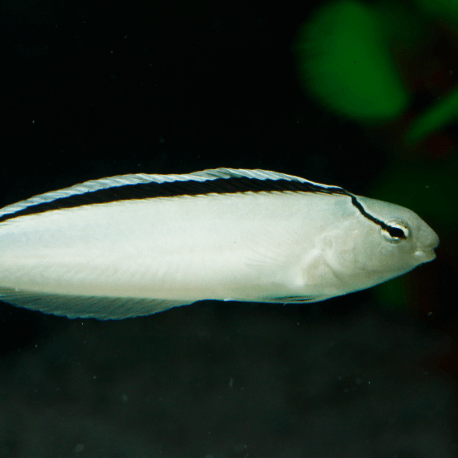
{"x":137,"y":244}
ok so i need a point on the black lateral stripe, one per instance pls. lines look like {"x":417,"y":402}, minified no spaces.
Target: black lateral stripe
{"x":176,"y":188}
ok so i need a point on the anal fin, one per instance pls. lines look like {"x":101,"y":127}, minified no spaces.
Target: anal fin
{"x":295,"y":299}
{"x":100,"y":307}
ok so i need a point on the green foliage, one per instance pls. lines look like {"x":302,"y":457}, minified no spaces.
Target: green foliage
{"x":344,"y":60}
{"x":434,"y":119}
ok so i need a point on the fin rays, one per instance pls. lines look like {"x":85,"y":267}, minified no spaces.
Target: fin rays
{"x":141,"y":186}
{"x":102,"y":308}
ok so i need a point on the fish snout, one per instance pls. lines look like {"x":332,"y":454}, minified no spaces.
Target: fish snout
{"x":426,"y":252}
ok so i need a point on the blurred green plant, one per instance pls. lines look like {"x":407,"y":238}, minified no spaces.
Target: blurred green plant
{"x":349,"y":53}
{"x":343,"y":59}
{"x":434,"y":119}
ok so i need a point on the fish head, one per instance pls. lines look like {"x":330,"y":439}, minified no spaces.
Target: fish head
{"x":369,"y":251}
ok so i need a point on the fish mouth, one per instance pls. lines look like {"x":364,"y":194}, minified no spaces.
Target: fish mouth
{"x":425,"y":255}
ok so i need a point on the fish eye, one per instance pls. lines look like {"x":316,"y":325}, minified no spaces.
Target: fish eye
{"x":395,"y":231}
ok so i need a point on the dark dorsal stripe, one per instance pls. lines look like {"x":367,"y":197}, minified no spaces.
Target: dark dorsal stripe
{"x":184,"y":188}
{"x":173,"y":189}
{"x":375,"y":220}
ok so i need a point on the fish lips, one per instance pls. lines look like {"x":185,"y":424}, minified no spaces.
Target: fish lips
{"x":425,"y":255}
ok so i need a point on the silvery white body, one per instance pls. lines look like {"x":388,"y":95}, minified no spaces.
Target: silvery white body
{"x":135,"y":257}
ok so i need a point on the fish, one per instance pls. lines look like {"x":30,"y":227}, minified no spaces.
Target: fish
{"x":133,"y":245}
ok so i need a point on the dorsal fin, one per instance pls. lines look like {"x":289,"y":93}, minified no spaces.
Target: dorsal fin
{"x":141,"y":186}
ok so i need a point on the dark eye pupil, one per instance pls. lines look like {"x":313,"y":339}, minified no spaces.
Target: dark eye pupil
{"x":396,"y":233}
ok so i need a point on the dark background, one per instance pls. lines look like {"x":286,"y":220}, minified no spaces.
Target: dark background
{"x":92,"y":89}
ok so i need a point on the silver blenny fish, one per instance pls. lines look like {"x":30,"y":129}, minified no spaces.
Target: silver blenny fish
{"x":134,"y":245}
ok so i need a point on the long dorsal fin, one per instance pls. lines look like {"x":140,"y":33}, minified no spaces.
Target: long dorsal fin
{"x":141,"y":186}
